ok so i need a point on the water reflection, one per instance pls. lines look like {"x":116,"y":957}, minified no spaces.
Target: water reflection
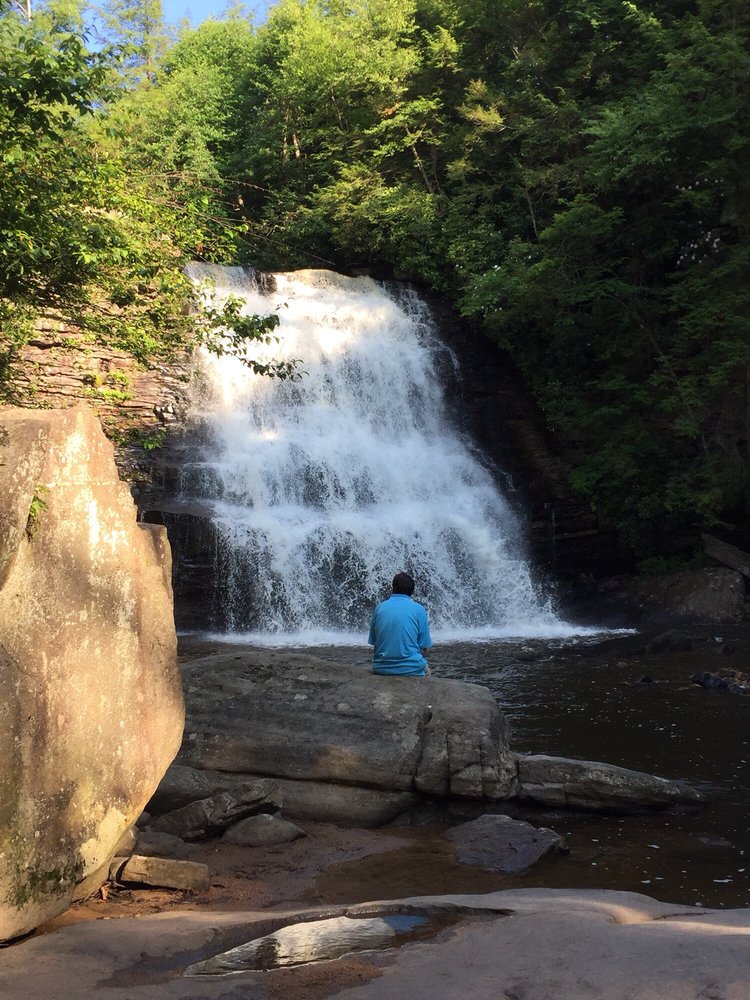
{"x":316,"y":941}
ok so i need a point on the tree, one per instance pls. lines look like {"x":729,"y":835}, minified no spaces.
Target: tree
{"x":137,"y":27}
{"x":620,"y":290}
{"x":83,"y":234}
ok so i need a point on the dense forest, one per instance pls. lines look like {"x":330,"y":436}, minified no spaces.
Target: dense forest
{"x":573,"y":175}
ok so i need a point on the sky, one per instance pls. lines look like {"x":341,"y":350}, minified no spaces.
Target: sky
{"x":199,"y":10}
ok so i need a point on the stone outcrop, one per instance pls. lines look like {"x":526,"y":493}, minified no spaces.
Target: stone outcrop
{"x":307,"y":720}
{"x":62,"y":367}
{"x":262,"y":831}
{"x":728,"y":555}
{"x":214,"y":814}
{"x":91,"y":706}
{"x":502,"y":844}
{"x":701,"y":595}
{"x":346,"y":746}
{"x":588,"y":784}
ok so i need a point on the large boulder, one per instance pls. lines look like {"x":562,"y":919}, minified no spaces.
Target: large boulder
{"x":314,"y":723}
{"x":91,"y":705}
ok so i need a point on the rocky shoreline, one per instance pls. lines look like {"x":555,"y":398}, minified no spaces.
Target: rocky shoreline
{"x":336,"y":868}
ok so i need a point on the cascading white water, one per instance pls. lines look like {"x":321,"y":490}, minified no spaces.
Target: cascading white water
{"x":323,"y":488}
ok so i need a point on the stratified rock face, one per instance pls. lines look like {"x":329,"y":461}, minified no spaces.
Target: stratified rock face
{"x":319,"y":723}
{"x":91,"y":706}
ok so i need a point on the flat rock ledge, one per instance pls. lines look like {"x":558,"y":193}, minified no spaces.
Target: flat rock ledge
{"x":535,"y":944}
{"x":589,"y":784}
{"x":346,"y":746}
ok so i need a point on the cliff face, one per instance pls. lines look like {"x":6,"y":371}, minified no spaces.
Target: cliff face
{"x":493,"y":405}
{"x":60,"y":368}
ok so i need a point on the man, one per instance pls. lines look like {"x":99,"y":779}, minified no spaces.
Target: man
{"x":400,"y":632}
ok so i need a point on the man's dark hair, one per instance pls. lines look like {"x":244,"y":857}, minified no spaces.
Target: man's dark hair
{"x":403,"y":584}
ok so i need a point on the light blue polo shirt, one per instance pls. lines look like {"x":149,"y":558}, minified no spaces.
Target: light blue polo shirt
{"x":399,"y":631}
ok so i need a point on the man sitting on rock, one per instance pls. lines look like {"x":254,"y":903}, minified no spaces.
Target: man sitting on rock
{"x":400,"y":632}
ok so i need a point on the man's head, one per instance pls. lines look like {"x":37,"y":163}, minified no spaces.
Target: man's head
{"x":403,"y":584}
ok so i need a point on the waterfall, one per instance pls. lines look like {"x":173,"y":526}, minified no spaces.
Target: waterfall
{"x":322,"y":488}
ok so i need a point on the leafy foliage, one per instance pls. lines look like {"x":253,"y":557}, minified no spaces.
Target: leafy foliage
{"x":89,"y":232}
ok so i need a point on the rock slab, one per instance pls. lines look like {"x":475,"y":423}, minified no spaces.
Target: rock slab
{"x":502,"y":844}
{"x":588,"y":784}
{"x":528,"y":944}
{"x":306,"y":720}
{"x":162,"y":873}
{"x":216,"y":813}
{"x":91,"y":706}
{"x":701,"y":595}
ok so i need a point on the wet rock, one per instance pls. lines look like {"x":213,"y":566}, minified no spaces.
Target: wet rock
{"x":727,"y":554}
{"x":343,"y":804}
{"x":705,"y":595}
{"x":91,"y":704}
{"x":180,"y":786}
{"x":164,"y":845}
{"x":305,"y":720}
{"x":731,"y":680}
{"x":163,"y":873}
{"x":262,"y":831}
{"x":214,"y":814}
{"x":586,"y":784}
{"x":527,"y":944}
{"x":502,"y":844}
{"x":715,"y":842}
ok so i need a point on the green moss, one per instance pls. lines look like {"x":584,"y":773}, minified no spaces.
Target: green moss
{"x":36,"y":509}
{"x":116,"y":378}
{"x":108,"y":395}
{"x":149,"y":440}
{"x":32,"y":886}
